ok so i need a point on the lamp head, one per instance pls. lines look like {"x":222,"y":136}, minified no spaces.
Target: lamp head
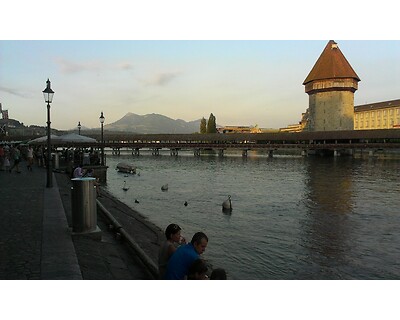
{"x":48,"y":93}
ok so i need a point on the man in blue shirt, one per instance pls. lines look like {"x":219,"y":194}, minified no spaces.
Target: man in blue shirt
{"x":180,"y":262}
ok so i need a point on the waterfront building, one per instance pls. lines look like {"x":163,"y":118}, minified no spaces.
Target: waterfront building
{"x":239,"y":129}
{"x":378,"y":115}
{"x":330,"y":86}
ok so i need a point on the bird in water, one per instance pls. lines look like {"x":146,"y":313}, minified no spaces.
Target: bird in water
{"x":164,"y":187}
{"x":136,"y":201}
{"x":227,"y":205}
{"x":185,"y":204}
{"x":125,"y":188}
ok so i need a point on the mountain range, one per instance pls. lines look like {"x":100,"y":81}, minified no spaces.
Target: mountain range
{"x":152,"y":123}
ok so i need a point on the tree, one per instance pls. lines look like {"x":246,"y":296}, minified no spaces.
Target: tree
{"x":211,"y":125}
{"x":203,"y":125}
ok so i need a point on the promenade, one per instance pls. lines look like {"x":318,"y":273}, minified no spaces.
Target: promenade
{"x":36,"y":239}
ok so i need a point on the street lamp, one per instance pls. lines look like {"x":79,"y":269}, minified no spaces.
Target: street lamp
{"x":48,"y":98}
{"x":102,"y":138}
{"x":79,"y":127}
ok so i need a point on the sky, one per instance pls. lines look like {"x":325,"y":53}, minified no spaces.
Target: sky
{"x":242,"y":81}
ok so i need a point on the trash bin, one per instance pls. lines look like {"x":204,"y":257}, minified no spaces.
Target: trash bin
{"x":84,"y":210}
{"x":56,"y":160}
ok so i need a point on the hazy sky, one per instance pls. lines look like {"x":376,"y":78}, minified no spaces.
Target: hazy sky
{"x":240,"y":82}
{"x":257,"y":80}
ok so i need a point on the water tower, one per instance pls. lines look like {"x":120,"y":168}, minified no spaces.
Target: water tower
{"x":330,"y":86}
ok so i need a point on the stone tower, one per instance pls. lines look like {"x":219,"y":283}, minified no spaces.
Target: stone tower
{"x":330,"y":86}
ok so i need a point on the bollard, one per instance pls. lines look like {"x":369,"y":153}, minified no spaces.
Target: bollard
{"x":84,"y":209}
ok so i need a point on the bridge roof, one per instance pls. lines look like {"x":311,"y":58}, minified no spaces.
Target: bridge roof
{"x":331,"y":64}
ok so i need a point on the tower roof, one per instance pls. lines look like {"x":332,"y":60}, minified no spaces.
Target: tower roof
{"x":330,"y":65}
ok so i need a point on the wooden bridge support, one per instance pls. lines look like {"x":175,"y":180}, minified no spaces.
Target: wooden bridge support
{"x":136,"y":152}
{"x":244,"y":153}
{"x":221,"y":153}
{"x":155,"y":152}
{"x":304,"y":153}
{"x":196,"y":152}
{"x":270,"y":153}
{"x":173,"y":152}
{"x":336,"y":153}
{"x":116,"y":151}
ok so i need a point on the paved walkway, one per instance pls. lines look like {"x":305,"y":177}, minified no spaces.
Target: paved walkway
{"x":36,"y":240}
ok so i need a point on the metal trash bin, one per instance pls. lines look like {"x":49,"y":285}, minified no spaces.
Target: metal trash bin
{"x":56,"y":160}
{"x":84,"y":209}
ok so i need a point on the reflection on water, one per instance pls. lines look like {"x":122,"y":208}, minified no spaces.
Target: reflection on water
{"x":292,"y":217}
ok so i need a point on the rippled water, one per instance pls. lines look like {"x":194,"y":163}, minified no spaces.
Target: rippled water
{"x":292,"y":218}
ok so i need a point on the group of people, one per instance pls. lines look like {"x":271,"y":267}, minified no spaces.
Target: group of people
{"x":11,"y":156}
{"x":79,"y":172}
{"x":178,"y":260}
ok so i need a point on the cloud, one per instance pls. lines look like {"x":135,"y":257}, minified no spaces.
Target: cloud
{"x":125,"y":66}
{"x":162,"y":79}
{"x":13,"y":92}
{"x":68,"y":67}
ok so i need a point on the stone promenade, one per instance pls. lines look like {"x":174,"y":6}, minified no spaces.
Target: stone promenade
{"x":36,"y":239}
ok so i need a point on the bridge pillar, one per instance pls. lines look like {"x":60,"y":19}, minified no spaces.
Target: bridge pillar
{"x":173,"y":152}
{"x":336,"y":153}
{"x":116,"y":151}
{"x":371,"y":153}
{"x":304,"y":153}
{"x":155,"y":152}
{"x":136,"y":152}
{"x":221,"y":152}
{"x":270,"y":153}
{"x":196,"y":152}
{"x":244,"y":153}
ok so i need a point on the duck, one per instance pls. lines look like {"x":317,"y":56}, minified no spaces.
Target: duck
{"x":185,"y":204}
{"x":136,"y":201}
{"x":227,"y":205}
{"x":125,"y":188}
{"x":164,"y":187}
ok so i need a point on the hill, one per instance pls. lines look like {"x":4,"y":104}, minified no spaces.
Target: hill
{"x":152,"y":123}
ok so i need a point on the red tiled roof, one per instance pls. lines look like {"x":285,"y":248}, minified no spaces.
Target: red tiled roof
{"x":330,"y":65}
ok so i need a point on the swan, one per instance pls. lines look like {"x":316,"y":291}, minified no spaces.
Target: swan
{"x":227,"y":204}
{"x":125,"y":188}
{"x":164,"y":187}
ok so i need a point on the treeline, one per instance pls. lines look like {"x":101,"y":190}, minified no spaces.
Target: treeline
{"x":209,"y":126}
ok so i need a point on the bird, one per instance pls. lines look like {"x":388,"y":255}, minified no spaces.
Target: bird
{"x":125,"y":188}
{"x":164,"y":187}
{"x":227,"y":205}
{"x":185,"y":204}
{"x":136,"y":201}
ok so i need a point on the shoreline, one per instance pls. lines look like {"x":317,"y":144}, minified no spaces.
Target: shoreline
{"x":147,"y":235}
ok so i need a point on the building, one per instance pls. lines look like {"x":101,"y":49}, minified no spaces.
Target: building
{"x":378,"y":115}
{"x":239,"y":129}
{"x":330,"y":86}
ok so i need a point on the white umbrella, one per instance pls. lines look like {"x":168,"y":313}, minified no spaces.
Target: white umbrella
{"x":75,"y":138}
{"x":43,"y":139}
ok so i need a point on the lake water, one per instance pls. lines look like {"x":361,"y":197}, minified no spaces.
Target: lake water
{"x":292,"y":217}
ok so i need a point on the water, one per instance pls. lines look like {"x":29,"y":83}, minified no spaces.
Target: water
{"x":292,"y":218}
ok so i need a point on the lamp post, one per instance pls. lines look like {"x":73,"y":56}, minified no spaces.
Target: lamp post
{"x":79,"y":128}
{"x":48,"y":98}
{"x":102,"y":138}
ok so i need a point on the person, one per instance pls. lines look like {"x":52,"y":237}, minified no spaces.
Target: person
{"x":90,"y":173}
{"x":218,"y":274}
{"x":174,"y":240}
{"x":16,"y":154}
{"x":180,"y":262}
{"x":78,"y":172}
{"x":30,"y":158}
{"x":198,"y":270}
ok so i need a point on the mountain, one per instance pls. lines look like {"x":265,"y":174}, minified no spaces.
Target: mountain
{"x":152,"y":123}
